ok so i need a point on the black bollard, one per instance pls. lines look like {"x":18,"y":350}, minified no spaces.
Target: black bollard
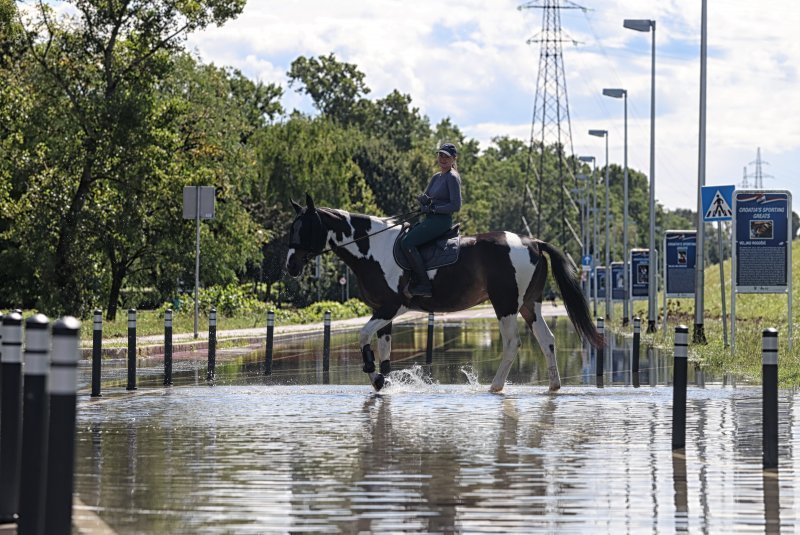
{"x":63,"y":385}
{"x":10,"y":416}
{"x":168,"y":347}
{"x":212,"y":344}
{"x":429,"y":347}
{"x":601,"y":353}
{"x":97,"y":351}
{"x":131,"y":349}
{"x":270,"y":336}
{"x":326,"y":342}
{"x":637,"y":334}
{"x":769,"y":374}
{"x":35,"y":417}
{"x":679,"y":387}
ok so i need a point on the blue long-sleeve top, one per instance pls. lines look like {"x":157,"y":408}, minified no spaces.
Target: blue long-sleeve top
{"x":445,"y":192}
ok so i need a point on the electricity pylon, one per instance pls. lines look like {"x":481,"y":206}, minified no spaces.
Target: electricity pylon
{"x":550,"y":125}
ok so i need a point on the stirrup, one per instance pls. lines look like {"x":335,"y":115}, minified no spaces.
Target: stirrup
{"x":421,"y":290}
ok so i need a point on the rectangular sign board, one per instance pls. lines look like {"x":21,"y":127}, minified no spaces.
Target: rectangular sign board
{"x":207,"y":195}
{"x":617,"y":281}
{"x":680,"y":250}
{"x":640,"y":273}
{"x":600,"y":273}
{"x":761,"y":241}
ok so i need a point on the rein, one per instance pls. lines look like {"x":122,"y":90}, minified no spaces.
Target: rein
{"x":403,"y":218}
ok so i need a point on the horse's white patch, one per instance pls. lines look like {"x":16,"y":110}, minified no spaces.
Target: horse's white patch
{"x":523,"y":269}
{"x":380,"y":248}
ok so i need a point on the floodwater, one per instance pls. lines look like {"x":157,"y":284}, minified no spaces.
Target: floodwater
{"x":308,"y":451}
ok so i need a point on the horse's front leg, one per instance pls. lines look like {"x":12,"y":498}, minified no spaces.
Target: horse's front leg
{"x":385,"y":349}
{"x":367,"y":354}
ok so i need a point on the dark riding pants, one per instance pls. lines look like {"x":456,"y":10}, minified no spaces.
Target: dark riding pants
{"x":430,"y":228}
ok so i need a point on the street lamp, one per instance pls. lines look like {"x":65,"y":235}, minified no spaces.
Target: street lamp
{"x":623,"y":94}
{"x":594,"y":227}
{"x":645,"y":25}
{"x":609,"y":312}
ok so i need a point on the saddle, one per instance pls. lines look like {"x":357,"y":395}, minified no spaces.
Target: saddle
{"x":437,"y":253}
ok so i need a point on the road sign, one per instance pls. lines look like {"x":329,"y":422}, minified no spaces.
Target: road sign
{"x":717,"y":202}
{"x":206,"y":202}
{"x":586,"y":263}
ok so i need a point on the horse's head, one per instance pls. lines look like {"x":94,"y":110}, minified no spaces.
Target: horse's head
{"x":307,"y":237}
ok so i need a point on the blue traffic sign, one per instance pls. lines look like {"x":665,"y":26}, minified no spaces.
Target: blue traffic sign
{"x":717,"y":203}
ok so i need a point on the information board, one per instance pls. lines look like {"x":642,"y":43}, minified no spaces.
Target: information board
{"x":680,"y":249}
{"x":600,"y":273}
{"x":761,"y":241}
{"x":640,"y":273}
{"x":617,"y":281}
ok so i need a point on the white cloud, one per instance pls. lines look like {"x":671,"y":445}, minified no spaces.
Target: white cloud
{"x":469,"y":61}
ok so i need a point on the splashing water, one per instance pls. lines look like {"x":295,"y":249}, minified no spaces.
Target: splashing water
{"x":413,"y":379}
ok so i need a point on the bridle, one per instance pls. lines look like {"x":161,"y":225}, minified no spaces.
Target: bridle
{"x":318,"y":227}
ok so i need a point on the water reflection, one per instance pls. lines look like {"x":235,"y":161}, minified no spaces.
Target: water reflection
{"x":434,"y":452}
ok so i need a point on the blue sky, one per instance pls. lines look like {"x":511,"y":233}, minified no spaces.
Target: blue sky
{"x":470,"y":61}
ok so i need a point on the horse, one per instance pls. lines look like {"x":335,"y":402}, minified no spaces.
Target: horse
{"x":507,"y":269}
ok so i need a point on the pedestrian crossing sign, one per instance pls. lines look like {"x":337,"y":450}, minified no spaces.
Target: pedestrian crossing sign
{"x":717,"y":202}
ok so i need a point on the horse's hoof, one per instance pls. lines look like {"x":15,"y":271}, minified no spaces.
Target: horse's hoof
{"x":496,"y":389}
{"x":555,"y":388}
{"x":378,"y":382}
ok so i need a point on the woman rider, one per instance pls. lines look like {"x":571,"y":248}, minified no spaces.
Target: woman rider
{"x":441,"y":199}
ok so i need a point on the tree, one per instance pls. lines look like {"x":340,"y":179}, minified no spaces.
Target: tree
{"x":104,"y":64}
{"x":335,"y":87}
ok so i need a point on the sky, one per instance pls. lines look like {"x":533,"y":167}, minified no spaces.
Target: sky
{"x":469,"y":61}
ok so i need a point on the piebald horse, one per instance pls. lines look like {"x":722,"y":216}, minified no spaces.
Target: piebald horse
{"x":507,"y":269}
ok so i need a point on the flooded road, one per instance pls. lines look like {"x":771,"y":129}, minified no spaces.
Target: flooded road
{"x":304,"y":451}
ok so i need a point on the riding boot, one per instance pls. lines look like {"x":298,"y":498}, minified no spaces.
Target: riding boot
{"x":422,"y":284}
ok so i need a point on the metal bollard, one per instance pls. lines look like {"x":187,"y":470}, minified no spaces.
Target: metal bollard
{"x":35,"y":418}
{"x":270,"y":337}
{"x":769,"y":374}
{"x":97,"y":351}
{"x":10,"y":416}
{"x":637,"y":335}
{"x":679,"y":387}
{"x":131,"y":349}
{"x":601,"y":357}
{"x":62,"y":387}
{"x":168,"y":347}
{"x":326,"y":342}
{"x":212,"y":344}
{"x":429,"y":347}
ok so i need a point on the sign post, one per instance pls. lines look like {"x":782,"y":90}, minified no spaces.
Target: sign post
{"x":717,"y":202}
{"x":762,"y":247}
{"x":198,"y":203}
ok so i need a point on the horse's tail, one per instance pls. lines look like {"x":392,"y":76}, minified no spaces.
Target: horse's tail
{"x":574,"y":302}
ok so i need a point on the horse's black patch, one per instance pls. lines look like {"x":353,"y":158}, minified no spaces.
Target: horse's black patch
{"x":361,"y":226}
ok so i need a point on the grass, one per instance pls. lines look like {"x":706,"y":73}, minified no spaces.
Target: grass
{"x":754,"y":313}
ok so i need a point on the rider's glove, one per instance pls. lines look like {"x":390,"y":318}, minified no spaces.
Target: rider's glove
{"x":424,"y":200}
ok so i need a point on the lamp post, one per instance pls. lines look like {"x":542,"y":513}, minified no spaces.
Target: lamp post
{"x":593,"y":291}
{"x":609,"y":311}
{"x":623,"y":94}
{"x":645,"y":25}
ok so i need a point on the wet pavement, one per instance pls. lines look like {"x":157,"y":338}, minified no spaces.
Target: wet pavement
{"x":309,"y":451}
